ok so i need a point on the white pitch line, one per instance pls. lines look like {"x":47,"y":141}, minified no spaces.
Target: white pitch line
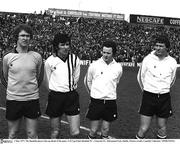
{"x":2,"y":108}
{"x":64,"y":122}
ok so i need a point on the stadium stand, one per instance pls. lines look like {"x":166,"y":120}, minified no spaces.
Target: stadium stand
{"x":87,"y":33}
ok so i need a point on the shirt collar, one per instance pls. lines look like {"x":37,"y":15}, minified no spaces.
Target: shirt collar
{"x":156,"y":57}
{"x":101,"y":59}
{"x":55,"y":55}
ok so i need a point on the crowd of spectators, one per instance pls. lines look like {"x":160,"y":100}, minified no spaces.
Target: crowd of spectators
{"x":87,"y":35}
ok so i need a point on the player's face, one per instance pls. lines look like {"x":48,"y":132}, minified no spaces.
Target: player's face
{"x":160,"y":49}
{"x":63,"y":49}
{"x":107,"y":54}
{"x":23,"y":39}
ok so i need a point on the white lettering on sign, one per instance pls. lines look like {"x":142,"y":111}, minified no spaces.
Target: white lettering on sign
{"x":142,"y":19}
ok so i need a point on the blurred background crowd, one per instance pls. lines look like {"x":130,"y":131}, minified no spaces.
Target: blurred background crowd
{"x":134,"y":40}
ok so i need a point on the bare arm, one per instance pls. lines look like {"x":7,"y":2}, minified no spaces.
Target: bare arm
{"x":47,"y":74}
{"x":88,"y":79}
{"x":4,"y":73}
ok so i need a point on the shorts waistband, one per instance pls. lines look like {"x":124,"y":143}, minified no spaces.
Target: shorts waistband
{"x":102,"y":100}
{"x":157,"y":94}
{"x":62,"y":92}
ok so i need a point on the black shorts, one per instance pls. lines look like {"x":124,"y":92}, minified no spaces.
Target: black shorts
{"x":63,"y":103}
{"x":102,"y":109}
{"x":156,"y":104}
{"x":18,"y":109}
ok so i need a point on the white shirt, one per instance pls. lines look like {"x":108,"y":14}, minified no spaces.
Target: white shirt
{"x":62,"y":76}
{"x":155,"y":75}
{"x":102,"y":79}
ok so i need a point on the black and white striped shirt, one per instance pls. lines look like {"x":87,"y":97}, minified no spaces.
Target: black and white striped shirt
{"x":62,"y":75}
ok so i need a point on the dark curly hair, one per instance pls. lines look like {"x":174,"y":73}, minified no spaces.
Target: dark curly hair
{"x":161,"y":38}
{"x":112,"y":44}
{"x":60,"y":38}
{"x":21,"y":27}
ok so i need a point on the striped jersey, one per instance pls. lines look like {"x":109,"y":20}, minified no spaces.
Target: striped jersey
{"x":62,"y":76}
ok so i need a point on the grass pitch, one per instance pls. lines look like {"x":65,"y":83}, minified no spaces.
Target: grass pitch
{"x":125,"y":127}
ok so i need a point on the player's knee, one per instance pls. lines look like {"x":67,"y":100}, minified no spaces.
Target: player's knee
{"x":32,"y":135}
{"x":141,"y":133}
{"x":93,"y":131}
{"x":143,"y":129}
{"x":54,"y":134}
{"x":105,"y":129}
{"x":75,"y":132}
{"x":12,"y":135}
{"x":162,"y":132}
{"x":75,"y":135}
